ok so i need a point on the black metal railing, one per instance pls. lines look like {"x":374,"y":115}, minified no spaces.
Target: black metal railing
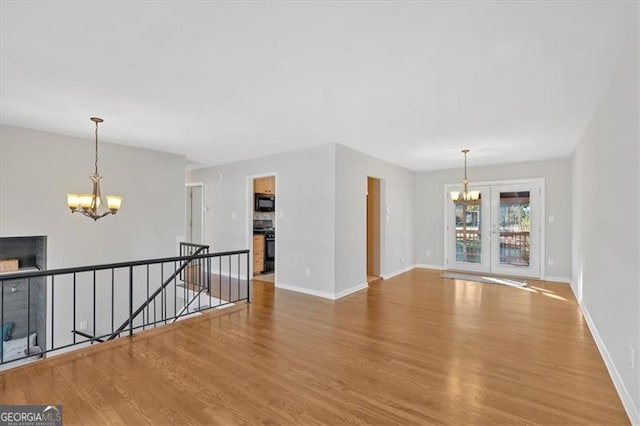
{"x":196,"y":281}
{"x":85,"y":305}
{"x":192,"y":273}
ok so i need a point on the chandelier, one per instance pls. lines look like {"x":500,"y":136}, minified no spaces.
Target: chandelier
{"x":89,"y":204}
{"x":466,"y":196}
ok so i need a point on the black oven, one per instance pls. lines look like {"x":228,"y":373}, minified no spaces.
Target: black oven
{"x":269,"y":251}
{"x":265,"y":203}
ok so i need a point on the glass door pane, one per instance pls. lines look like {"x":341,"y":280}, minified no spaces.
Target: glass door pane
{"x":515,"y":236}
{"x":468,"y":237}
{"x":467,"y":233}
{"x":515,"y":228}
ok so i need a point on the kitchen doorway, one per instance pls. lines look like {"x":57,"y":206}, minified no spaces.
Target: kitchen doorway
{"x":502,"y":233}
{"x":373,"y":229}
{"x":262,"y":226}
{"x":194,"y":201}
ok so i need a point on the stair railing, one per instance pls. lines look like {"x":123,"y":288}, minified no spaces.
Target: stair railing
{"x":72,"y":307}
{"x":191,"y":257}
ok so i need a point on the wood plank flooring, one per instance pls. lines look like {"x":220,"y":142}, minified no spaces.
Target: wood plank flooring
{"x":415,"y":349}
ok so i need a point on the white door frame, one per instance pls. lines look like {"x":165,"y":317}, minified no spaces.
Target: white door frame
{"x":201,"y":185}
{"x":249,"y":207}
{"x":484,"y":266}
{"x":384,"y":216}
{"x":538,"y":181}
{"x":533,"y":271}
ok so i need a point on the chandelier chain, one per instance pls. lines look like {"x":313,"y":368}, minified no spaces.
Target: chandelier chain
{"x":465,"y":152}
{"x":96,"y":162}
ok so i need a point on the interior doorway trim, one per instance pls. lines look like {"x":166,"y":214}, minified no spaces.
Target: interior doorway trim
{"x":543,"y":219}
{"x":249,"y":207}
{"x":374,"y":223}
{"x":384,"y":213}
{"x":202,"y":225}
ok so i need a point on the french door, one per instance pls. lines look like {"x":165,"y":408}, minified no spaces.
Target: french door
{"x":500,"y":234}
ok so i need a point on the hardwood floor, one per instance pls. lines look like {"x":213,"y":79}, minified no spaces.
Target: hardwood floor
{"x":372,"y":279}
{"x":415,"y":349}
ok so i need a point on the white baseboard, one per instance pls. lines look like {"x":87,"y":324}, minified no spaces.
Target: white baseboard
{"x":428,"y":266}
{"x":398,"y":272}
{"x":348,"y":291}
{"x":564,"y":280}
{"x":316,"y":293}
{"x":322,"y":294}
{"x":623,"y":393}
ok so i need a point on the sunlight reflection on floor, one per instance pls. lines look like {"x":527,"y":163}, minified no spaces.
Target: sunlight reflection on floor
{"x":520,"y":285}
{"x":485,"y":279}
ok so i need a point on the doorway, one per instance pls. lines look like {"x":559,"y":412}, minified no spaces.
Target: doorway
{"x":263,"y":226}
{"x":501,"y":233}
{"x":373,"y":229}
{"x":194,"y":213}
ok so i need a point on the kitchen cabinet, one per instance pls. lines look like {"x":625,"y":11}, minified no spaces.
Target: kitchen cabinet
{"x":258,"y":254}
{"x":265,"y":185}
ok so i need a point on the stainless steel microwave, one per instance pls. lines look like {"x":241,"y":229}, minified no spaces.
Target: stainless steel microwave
{"x":265,"y":203}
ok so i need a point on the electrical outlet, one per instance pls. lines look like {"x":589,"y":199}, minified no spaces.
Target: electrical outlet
{"x":428,"y":253}
{"x":632,"y":358}
{"x":307,"y":272}
{"x":403,"y":260}
{"x":551,"y":219}
{"x":84,"y":325}
{"x":550,"y":261}
{"x":233,"y":215}
{"x":221,"y":177}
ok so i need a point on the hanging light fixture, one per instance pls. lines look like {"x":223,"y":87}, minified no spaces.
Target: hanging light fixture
{"x":88,"y":204}
{"x":466,"y":196}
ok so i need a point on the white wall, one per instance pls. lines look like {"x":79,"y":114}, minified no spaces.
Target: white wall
{"x":321,"y":220}
{"x":305,"y":203}
{"x":37,"y":169}
{"x":605,"y":228}
{"x":321,"y":215}
{"x":397,"y":236}
{"x":430,"y":206}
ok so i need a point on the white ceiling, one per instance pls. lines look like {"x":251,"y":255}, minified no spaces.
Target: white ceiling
{"x":408,"y":82}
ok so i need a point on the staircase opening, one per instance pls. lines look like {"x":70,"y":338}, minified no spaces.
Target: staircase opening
{"x":93,"y":304}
